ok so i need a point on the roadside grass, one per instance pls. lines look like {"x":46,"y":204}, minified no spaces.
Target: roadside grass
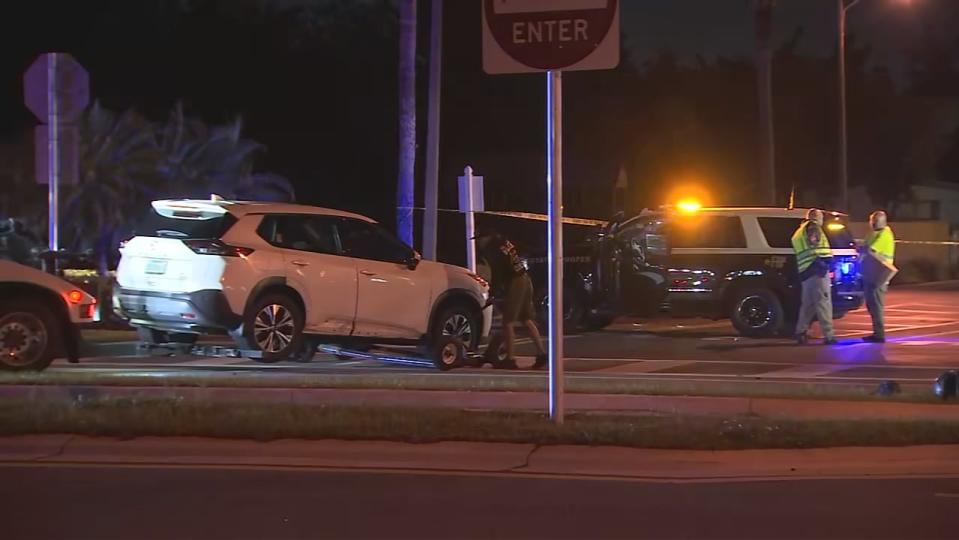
{"x":126,"y":418}
{"x":491,"y":381}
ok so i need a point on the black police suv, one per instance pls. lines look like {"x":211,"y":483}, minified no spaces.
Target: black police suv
{"x":734,"y":263}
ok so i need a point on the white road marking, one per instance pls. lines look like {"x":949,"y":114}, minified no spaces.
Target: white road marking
{"x":647,"y":366}
{"x":808,"y":371}
{"x":926,"y":326}
{"x":926,"y":343}
{"x":930,"y":312}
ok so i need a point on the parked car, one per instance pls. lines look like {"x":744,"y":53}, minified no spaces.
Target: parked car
{"x":280,"y":277}
{"x":734,"y":263}
{"x":39,"y":318}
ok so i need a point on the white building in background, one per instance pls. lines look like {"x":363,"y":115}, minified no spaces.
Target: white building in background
{"x":931,"y":200}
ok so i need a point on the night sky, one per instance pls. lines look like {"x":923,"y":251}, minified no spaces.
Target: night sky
{"x":690,"y":28}
{"x":327,"y":111}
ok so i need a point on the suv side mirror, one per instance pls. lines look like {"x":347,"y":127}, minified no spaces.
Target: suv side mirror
{"x":413,"y":260}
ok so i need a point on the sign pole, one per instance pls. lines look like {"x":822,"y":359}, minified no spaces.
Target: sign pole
{"x":554,"y":181}
{"x":431,"y":190}
{"x":53,"y":157}
{"x":535,"y":36}
{"x":470,"y":219}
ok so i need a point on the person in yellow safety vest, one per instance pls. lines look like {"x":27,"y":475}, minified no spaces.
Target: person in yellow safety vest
{"x":814,"y":259}
{"x":882,"y":244}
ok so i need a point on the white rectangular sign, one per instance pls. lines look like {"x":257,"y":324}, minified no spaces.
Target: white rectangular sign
{"x":532,"y":6}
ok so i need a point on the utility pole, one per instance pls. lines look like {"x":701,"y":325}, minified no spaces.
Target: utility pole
{"x":844,"y":6}
{"x":431,"y":189}
{"x":764,"y":59}
{"x":407,"y":109}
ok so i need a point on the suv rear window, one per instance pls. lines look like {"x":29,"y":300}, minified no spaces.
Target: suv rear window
{"x":779,"y":231}
{"x":707,"y":232}
{"x":185,"y":225}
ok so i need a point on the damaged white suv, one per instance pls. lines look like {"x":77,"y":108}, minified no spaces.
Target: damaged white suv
{"x":279,"y":278}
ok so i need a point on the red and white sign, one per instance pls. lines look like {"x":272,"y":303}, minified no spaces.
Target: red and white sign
{"x":72,"y":87}
{"x":527,"y":36}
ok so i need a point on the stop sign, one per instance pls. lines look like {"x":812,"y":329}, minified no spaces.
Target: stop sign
{"x":70,"y":91}
{"x":522,"y":36}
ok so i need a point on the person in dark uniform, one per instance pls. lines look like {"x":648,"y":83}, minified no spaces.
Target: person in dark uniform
{"x":512,"y":286}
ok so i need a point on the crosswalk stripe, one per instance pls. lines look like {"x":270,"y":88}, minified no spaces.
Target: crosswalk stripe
{"x":804,"y":371}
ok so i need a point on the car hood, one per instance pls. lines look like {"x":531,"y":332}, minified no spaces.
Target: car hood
{"x":13,"y":272}
{"x":458,"y":276}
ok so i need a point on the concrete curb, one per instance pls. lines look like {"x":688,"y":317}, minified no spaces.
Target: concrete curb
{"x":484,"y":458}
{"x":612,"y":403}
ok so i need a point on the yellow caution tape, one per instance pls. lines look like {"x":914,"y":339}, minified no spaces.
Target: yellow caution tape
{"x":527,"y":215}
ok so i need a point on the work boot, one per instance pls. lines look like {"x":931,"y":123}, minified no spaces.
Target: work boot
{"x":874,"y":339}
{"x":509,"y":363}
{"x":541,"y":361}
{"x":801,"y":339}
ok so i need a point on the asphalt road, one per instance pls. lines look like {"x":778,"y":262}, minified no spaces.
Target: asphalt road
{"x":922,"y":326}
{"x":48,"y":502}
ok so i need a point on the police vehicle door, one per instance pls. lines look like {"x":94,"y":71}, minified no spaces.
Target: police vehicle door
{"x":644,"y":250}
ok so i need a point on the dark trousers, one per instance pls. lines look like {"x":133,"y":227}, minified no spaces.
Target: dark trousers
{"x":876,"y":304}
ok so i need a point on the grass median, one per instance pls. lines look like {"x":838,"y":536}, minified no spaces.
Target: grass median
{"x":486,"y":381}
{"x":131,"y":418}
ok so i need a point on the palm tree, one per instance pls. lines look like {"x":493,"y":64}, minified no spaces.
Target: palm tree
{"x":198,"y":161}
{"x":126,"y":161}
{"x":407,"y":92}
{"x":118,"y":177}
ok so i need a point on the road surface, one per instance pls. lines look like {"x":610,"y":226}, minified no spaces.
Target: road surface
{"x":922,"y":325}
{"x":52,"y":502}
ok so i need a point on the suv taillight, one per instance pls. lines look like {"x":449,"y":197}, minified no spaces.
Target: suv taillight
{"x":216,"y":247}
{"x":479,"y":279}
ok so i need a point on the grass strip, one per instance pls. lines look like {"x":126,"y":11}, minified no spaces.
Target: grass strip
{"x":493,"y":382}
{"x":131,"y":418}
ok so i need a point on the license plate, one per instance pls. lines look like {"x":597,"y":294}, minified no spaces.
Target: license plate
{"x":156,"y":267}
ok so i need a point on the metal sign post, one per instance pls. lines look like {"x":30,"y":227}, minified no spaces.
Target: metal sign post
{"x":56,"y":89}
{"x":529,"y":36}
{"x":53,"y":163}
{"x":554,"y":182}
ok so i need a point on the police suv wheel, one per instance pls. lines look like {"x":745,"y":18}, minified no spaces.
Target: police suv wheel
{"x":756,"y":313}
{"x":574,"y":310}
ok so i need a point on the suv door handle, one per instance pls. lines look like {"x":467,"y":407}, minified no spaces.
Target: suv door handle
{"x":299,"y":263}
{"x":367,"y":273}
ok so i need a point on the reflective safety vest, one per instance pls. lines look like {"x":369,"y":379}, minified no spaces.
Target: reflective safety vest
{"x":806,"y":253}
{"x":882,"y":243}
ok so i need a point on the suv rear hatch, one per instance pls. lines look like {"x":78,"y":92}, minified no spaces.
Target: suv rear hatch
{"x":171,"y":250}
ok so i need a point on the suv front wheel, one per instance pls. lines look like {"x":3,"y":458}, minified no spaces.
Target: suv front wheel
{"x":756,"y":312}
{"x":274,"y":327}
{"x":458,"y":320}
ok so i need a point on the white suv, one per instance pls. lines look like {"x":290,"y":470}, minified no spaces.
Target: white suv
{"x":281,"y":277}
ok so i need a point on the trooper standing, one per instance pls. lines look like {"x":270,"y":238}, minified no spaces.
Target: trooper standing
{"x":880,"y":243}
{"x":814,"y":259}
